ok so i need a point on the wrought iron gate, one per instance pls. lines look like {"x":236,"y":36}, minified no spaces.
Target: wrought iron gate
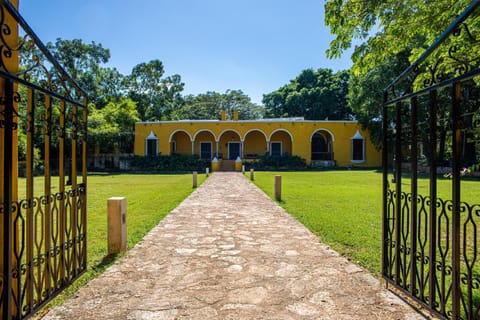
{"x":431,"y":122}
{"x":43,"y":131}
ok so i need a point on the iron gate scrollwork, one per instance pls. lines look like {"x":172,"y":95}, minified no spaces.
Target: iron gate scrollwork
{"x":431,"y":120}
{"x":43,"y":122}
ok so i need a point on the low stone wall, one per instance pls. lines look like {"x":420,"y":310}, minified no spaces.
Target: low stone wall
{"x":322,"y":163}
{"x":110,"y":161}
{"x":406,"y":166}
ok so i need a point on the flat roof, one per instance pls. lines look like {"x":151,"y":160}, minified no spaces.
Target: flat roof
{"x":244,"y":121}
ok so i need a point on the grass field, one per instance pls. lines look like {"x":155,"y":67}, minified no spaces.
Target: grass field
{"x":149,"y":199}
{"x":344,"y":207}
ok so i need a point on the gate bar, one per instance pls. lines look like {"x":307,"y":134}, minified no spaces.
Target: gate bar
{"x":433,"y":200}
{"x":385,"y":185}
{"x":398,"y":188}
{"x":414,"y":193}
{"x":456,"y":150}
{"x":30,"y":198}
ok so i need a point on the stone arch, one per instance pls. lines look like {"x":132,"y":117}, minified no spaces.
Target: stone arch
{"x":280,"y":142}
{"x":203,"y":130}
{"x":323,"y":129}
{"x":255,"y":144}
{"x":278,"y":130}
{"x":229,"y":145}
{"x":321,"y":145}
{"x":205,"y":144}
{"x":179,"y":130}
{"x":252,"y":130}
{"x":180,"y":142}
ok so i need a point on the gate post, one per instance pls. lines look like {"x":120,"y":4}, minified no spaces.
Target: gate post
{"x":8,"y":161}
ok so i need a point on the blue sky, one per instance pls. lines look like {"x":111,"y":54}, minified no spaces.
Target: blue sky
{"x":214,"y":45}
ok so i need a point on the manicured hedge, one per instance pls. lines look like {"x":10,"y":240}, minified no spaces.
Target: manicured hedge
{"x":286,"y":161}
{"x":169,"y":163}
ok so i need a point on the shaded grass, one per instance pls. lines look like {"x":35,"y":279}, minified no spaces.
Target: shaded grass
{"x":344,"y":208}
{"x":149,"y":199}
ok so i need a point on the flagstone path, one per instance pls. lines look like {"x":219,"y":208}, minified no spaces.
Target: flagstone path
{"x":230,"y":252}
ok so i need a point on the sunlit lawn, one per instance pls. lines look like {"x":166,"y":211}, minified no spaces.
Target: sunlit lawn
{"x":344,"y":207}
{"x":149,"y":199}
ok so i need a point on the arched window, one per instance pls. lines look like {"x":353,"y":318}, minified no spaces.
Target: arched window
{"x":358,"y":148}
{"x":151,"y":145}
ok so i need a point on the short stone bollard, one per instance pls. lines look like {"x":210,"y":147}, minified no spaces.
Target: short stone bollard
{"x":243,"y":169}
{"x":251,"y":174}
{"x":117,"y":225}
{"x":194,"y":179}
{"x":207,"y":171}
{"x":278,"y":188}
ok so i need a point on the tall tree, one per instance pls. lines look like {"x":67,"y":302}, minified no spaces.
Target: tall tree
{"x":156,"y":97}
{"x":210,"y":105}
{"x":84,"y":64}
{"x":314,"y":95}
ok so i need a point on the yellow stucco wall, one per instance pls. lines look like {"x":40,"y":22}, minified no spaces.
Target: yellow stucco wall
{"x":295,"y":136}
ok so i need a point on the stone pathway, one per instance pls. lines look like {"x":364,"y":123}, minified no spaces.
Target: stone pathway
{"x":229,"y":252}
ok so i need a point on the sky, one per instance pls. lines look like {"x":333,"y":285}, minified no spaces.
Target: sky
{"x":255,"y":46}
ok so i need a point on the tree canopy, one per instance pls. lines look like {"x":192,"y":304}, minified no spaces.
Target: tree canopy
{"x":385,"y":28}
{"x":156,"y":97}
{"x":314,"y":95}
{"x":210,"y":105}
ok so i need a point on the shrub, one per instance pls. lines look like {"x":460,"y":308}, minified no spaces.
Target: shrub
{"x":286,"y":161}
{"x":169,"y":163}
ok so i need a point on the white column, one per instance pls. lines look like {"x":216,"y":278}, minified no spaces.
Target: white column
{"x":241,"y":148}
{"x":268,"y":146}
{"x":217,"y":149}
{"x":193,"y":147}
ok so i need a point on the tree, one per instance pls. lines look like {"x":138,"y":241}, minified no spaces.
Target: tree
{"x":113,"y":125}
{"x":83,"y":62}
{"x":210,"y":105}
{"x":365,"y":96}
{"x":386,"y":27}
{"x":314,"y":95}
{"x":156,"y":97}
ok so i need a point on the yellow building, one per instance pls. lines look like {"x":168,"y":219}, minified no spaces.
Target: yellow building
{"x":320,"y":143}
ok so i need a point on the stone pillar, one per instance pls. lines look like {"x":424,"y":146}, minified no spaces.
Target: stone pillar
{"x":117,"y":225}
{"x":251,"y":174}
{"x":194,"y":179}
{"x":193,"y":147}
{"x":278,"y":188}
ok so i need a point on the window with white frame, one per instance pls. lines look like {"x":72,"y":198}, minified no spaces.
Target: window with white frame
{"x":358,"y":148}
{"x":151,"y":145}
{"x":276,"y":149}
{"x":205,"y":150}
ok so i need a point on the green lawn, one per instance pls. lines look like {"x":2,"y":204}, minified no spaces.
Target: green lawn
{"x":344,"y":207}
{"x":149,"y":199}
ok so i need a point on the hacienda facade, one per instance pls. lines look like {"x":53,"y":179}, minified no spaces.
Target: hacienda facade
{"x":320,"y":143}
